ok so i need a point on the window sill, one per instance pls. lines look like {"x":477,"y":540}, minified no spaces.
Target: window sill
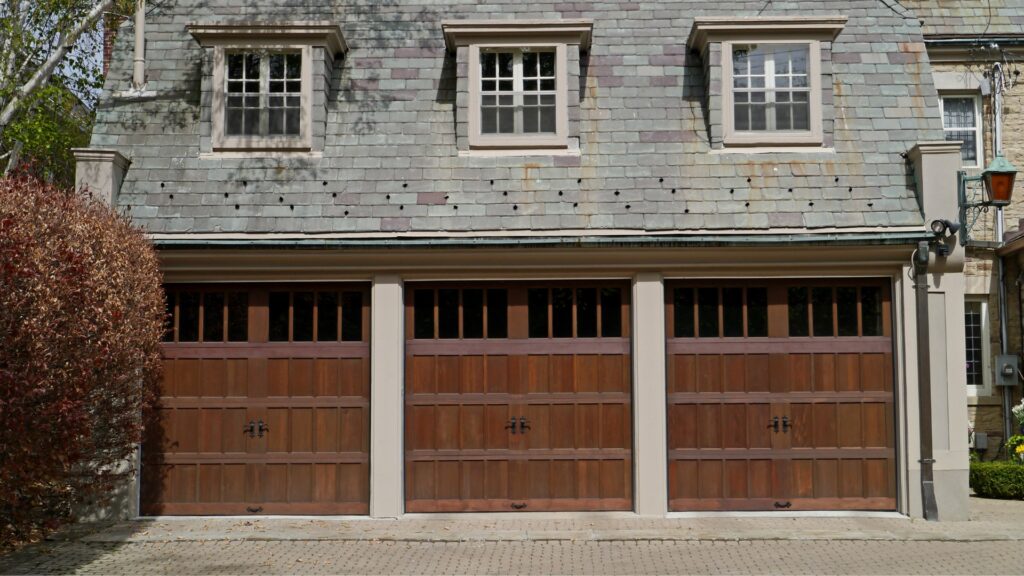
{"x":739,"y":139}
{"x":775,"y":150}
{"x":498,"y":152}
{"x":260,"y":153}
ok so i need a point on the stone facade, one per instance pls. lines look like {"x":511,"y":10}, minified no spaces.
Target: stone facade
{"x":996,"y":21}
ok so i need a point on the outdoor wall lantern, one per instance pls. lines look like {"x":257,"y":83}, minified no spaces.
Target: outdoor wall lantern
{"x":996,"y":190}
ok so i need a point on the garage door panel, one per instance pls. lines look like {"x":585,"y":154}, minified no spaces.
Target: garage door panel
{"x":473,"y":378}
{"x":849,"y":422}
{"x":757,"y":375}
{"x":498,"y":371}
{"x":709,"y":373}
{"x":496,"y":420}
{"x":709,"y":426}
{"x":683,"y":373}
{"x":801,"y":373}
{"x":260,"y":421}
{"x":449,"y":374}
{"x":496,"y":477}
{"x":188,"y":378}
{"x":795,"y":415}
{"x":734,"y":426}
{"x":541,"y":417}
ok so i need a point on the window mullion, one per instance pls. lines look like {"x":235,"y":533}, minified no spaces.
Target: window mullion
{"x":264,"y":95}
{"x":769,"y":84}
{"x":517,"y":85}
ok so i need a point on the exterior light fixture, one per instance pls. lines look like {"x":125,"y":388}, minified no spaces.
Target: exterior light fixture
{"x":997,"y":180}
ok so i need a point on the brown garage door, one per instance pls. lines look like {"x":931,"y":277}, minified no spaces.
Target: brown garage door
{"x":518,"y":398}
{"x":781,"y":395}
{"x":265,"y":403}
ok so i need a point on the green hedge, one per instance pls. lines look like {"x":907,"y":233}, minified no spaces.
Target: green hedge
{"x":998,"y":480}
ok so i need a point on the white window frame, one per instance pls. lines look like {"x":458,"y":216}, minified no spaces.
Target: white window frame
{"x":221,"y":141}
{"x":985,"y":389}
{"x":479,"y":140}
{"x":269,"y":36}
{"x":978,"y":122}
{"x":734,"y":137}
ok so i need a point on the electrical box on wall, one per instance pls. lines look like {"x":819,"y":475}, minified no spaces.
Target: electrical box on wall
{"x":1007,"y":368}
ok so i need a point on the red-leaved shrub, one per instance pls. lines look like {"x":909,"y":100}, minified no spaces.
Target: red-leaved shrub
{"x":81,"y":318}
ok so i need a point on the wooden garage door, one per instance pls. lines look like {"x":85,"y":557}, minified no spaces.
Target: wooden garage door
{"x":518,"y":398}
{"x":265,"y":403}
{"x":781,"y":395}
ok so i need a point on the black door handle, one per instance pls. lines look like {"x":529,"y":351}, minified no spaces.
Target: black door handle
{"x":783,"y":505}
{"x":511,"y":424}
{"x":518,"y":505}
{"x":254,"y":509}
{"x":524,"y":425}
{"x":786,"y":425}
{"x":250,"y":429}
{"x":262,"y":428}
{"x":774,"y":424}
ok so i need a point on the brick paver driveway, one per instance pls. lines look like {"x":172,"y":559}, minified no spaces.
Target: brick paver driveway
{"x":990,"y":544}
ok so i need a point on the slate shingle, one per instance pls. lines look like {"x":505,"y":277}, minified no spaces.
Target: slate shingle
{"x":391,"y":130}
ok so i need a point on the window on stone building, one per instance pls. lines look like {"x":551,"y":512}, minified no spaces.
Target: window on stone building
{"x":265,"y":86}
{"x":517,"y":91}
{"x":773,"y":94}
{"x":263,"y":94}
{"x":769,"y":79}
{"x":519,"y":82}
{"x":771,"y":88}
{"x":961,"y":120}
{"x":977,"y":347}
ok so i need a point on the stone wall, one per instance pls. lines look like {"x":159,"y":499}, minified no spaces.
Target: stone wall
{"x":981,"y":273}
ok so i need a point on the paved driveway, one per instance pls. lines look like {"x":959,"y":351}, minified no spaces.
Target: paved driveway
{"x":992,"y":543}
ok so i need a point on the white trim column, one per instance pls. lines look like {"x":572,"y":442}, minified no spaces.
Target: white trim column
{"x":386,"y":386}
{"x":650,"y":444}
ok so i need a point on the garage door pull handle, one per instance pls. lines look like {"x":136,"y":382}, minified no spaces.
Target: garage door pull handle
{"x":250,"y":429}
{"x":524,"y":425}
{"x":785,"y":424}
{"x":254,"y":509}
{"x":774,"y":424}
{"x":519,"y":505}
{"x":262,"y":428}
{"x":784,"y":505}
{"x":511,"y":424}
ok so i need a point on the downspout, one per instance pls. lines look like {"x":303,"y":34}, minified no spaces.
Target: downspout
{"x":139,"y":68}
{"x":924,"y":376}
{"x":997,"y":150}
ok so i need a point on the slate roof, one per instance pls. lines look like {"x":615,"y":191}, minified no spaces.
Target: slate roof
{"x":390,"y":162}
{"x":952,"y":18}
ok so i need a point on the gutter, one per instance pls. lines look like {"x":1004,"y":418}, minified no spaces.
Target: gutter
{"x":909,"y":239}
{"x":976,"y":41}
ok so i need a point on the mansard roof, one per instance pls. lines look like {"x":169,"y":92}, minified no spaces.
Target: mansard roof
{"x":390,"y":165}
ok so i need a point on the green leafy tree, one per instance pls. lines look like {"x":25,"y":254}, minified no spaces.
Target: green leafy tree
{"x":49,"y":57}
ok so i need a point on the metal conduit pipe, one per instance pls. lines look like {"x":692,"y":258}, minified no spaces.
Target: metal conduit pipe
{"x":924,"y":394}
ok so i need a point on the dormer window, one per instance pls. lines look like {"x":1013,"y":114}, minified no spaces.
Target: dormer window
{"x":517,"y":91}
{"x":771,"y":88}
{"x":768,"y":84}
{"x":264,"y":95}
{"x":260,"y":93}
{"x":519,"y":86}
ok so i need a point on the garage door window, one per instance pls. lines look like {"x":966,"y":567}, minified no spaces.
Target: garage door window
{"x":575,"y":313}
{"x":714,"y":312}
{"x":207,"y":316}
{"x":316,"y":316}
{"x":453,"y":313}
{"x":845,"y":311}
